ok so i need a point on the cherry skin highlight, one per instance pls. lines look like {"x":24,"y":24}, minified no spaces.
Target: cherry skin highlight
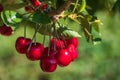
{"x":63,"y":57}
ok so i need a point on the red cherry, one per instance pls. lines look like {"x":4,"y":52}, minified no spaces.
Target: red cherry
{"x":35,"y":3}
{"x":6,"y":30}
{"x":22,"y":44}
{"x":71,"y":48}
{"x":48,"y":64}
{"x":35,"y":51}
{"x":73,"y":41}
{"x":44,"y":6}
{"x":63,"y":57}
{"x":28,"y":9}
{"x":48,"y":53}
{"x":1,"y":8}
{"x":58,"y":44}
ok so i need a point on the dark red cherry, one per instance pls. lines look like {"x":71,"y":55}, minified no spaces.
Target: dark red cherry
{"x":44,"y":6}
{"x":6,"y":30}
{"x":73,"y":41}
{"x":1,"y":8}
{"x":71,"y":48}
{"x":22,"y":44}
{"x":35,"y":3}
{"x":35,"y":51}
{"x":29,"y":9}
{"x":48,"y":52}
{"x":57,"y":44}
{"x":48,"y":64}
{"x":63,"y":57}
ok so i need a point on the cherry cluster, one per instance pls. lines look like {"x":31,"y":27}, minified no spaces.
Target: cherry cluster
{"x":59,"y":52}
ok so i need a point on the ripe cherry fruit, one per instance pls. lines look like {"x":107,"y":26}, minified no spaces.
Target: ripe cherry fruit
{"x":29,"y":9}
{"x":35,"y":3}
{"x":73,"y":41}
{"x":35,"y":51}
{"x":71,"y":48}
{"x":22,"y":44}
{"x":47,"y":53}
{"x":6,"y":30}
{"x":63,"y":57}
{"x":44,"y":6}
{"x":48,"y":64}
{"x":58,"y":44}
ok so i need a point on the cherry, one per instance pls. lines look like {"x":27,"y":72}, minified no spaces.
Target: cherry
{"x":35,"y":51}
{"x":6,"y":30}
{"x":71,"y":48}
{"x":63,"y":57}
{"x":73,"y":41}
{"x":44,"y":6}
{"x":50,"y":53}
{"x":35,"y":3}
{"x":22,"y":44}
{"x":1,"y":8}
{"x":28,"y":9}
{"x":58,"y":44}
{"x":48,"y":64}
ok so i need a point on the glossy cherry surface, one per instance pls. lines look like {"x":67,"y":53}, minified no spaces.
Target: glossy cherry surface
{"x":22,"y":44}
{"x":48,"y":64}
{"x":35,"y":51}
{"x":63,"y":57}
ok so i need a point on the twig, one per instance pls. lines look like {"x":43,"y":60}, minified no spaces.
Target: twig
{"x":55,"y":14}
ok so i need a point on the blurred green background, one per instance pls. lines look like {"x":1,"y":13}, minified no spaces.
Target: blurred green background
{"x":99,"y":62}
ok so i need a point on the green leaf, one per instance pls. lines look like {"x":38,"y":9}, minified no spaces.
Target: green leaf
{"x":40,"y":18}
{"x":14,"y":7}
{"x":72,"y":24}
{"x":10,"y":18}
{"x":64,"y":32}
{"x":86,"y":28}
{"x":45,"y":30}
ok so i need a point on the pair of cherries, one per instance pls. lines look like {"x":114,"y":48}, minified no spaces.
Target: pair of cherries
{"x":56,"y":54}
{"x":33,"y":51}
{"x":36,"y":3}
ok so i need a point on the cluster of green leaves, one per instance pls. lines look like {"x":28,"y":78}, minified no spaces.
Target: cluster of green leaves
{"x":77,"y":14}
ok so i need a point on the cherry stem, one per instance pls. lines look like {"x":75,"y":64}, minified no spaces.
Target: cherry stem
{"x":34,"y":36}
{"x":63,"y":37}
{"x":58,"y":37}
{"x":75,"y":6}
{"x":54,"y":37}
{"x":44,"y":37}
{"x":25,"y":30}
{"x":50,"y":39}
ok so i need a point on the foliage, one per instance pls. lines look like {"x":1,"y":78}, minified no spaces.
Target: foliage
{"x":100,"y":62}
{"x":77,"y":13}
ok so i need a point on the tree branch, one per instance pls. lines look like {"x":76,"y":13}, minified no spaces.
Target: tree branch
{"x":55,"y":14}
